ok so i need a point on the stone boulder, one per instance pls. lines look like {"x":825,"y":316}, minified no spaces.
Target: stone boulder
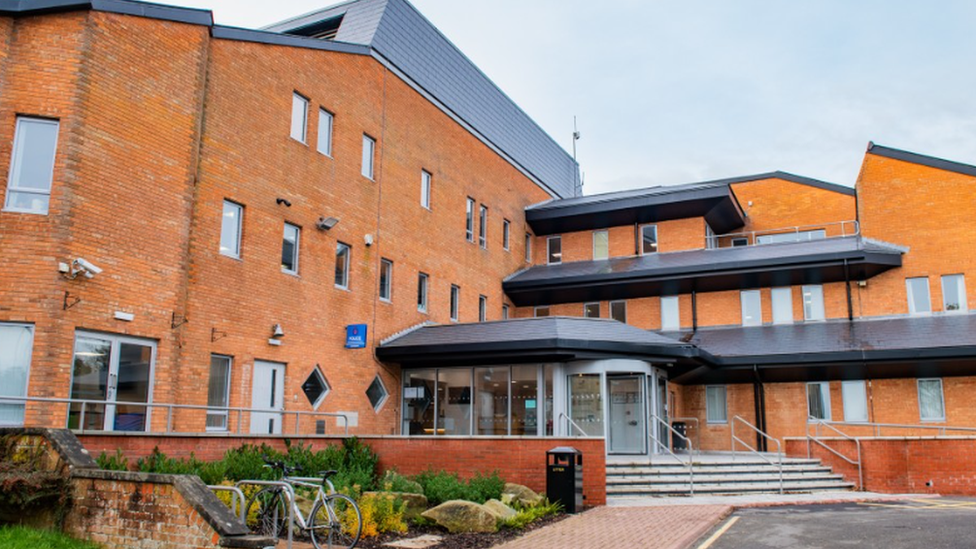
{"x":463,"y":516}
{"x":503,"y":511}
{"x":523,"y":495}
{"x":416,"y":503}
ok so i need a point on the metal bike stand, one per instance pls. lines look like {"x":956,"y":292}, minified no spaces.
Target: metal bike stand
{"x":289,"y":496}
{"x":238,"y":496}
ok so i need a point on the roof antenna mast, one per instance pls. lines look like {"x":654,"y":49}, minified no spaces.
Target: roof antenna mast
{"x":576,"y":136}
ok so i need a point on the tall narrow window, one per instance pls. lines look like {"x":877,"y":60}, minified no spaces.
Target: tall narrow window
{"x":931,"y":402}
{"x":855,"y":401}
{"x":813,"y":303}
{"x":425,"y":183}
{"x":648,"y":239}
{"x":954,"y":294}
{"x":601,"y":245}
{"x":218,"y":392}
{"x":670,"y":313}
{"x":505,"y":311}
{"x":469,"y":221}
{"x":591,"y":310}
{"x":299,"y":117}
{"x":618,"y":311}
{"x":818,"y":400}
{"x":386,"y":279}
{"x":324,"y":144}
{"x":422,"y":292}
{"x":751,"y":307}
{"x":483,"y":227}
{"x":343,"y":253}
{"x":782,"y":305}
{"x":716,"y":404}
{"x":482,"y":308}
{"x":554,"y":250}
{"x":16,"y":344}
{"x":711,"y":241}
{"x":32,"y":165}
{"x":230,"y":229}
{"x":506,"y":234}
{"x":369,"y":148}
{"x":919,"y":301}
{"x":541,"y":311}
{"x":455,"y":298}
{"x":289,"y":249}
{"x":528,"y":248}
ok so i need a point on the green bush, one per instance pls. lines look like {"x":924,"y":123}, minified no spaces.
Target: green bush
{"x":395,"y":482}
{"x":528,"y":515}
{"x":486,"y":486}
{"x":118,"y":462}
{"x":442,"y":486}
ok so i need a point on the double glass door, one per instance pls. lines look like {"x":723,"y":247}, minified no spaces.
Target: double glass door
{"x":115,"y":374}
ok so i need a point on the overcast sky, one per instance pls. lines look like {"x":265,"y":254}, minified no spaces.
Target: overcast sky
{"x":679,"y":91}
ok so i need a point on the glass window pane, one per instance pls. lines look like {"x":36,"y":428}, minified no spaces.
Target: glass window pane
{"x":818,"y":401}
{"x":555,"y":244}
{"x":491,"y":400}
{"x":289,"y":249}
{"x":230,"y":229}
{"x":528,"y":248}
{"x":919,"y":301}
{"x":218,"y":391}
{"x":418,"y":402}
{"x":24,"y":201}
{"x":601,"y":245}
{"x":954,"y":294}
{"x":422,"y":293}
{"x":376,"y":393}
{"x":455,"y":297}
{"x":504,"y":312}
{"x":33,"y":154}
{"x":299,"y":115}
{"x":591,"y":310}
{"x":670,"y":313}
{"x":525,"y":400}
{"x":716,"y":404}
{"x":469,"y":221}
{"x":930,"y":402}
{"x":547,"y":376}
{"x":813,"y":303}
{"x":618,"y":311}
{"x":506,"y":234}
{"x":586,"y":405}
{"x":425,"y":179}
{"x":16,"y":343}
{"x":342,"y":265}
{"x":454,"y":401}
{"x":482,"y":308}
{"x":89,"y":381}
{"x":386,"y":279}
{"x":751,"y":308}
{"x":648,"y":239}
{"x":135,"y":371}
{"x":368,"y":154}
{"x":324,"y":144}
{"x":782,"y":305}
{"x":483,"y":227}
{"x":315,"y":387}
{"x":855,"y":401}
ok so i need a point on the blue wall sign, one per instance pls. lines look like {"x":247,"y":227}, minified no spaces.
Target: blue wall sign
{"x":355,"y":336}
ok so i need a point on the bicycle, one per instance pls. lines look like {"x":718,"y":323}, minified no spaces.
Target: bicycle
{"x":334,"y":520}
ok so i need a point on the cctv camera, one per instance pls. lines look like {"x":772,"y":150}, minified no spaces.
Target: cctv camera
{"x":87,"y":266}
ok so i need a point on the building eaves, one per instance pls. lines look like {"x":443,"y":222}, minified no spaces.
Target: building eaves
{"x":276,"y":39}
{"x":921,"y":159}
{"x":193,"y":16}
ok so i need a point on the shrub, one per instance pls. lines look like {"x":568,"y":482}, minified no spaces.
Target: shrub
{"x":26,"y":485}
{"x":381,"y":514}
{"x":485,"y":487}
{"x":118,"y":462}
{"x":358,"y":470}
{"x":443,"y":486}
{"x":528,"y":515}
{"x":395,"y":482}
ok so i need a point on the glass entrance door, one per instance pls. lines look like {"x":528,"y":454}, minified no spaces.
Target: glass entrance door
{"x":115,"y":373}
{"x":627,"y":427}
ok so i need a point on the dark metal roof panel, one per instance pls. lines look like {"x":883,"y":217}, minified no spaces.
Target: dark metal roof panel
{"x":273,"y":38}
{"x":921,"y":159}
{"x":164,"y":12}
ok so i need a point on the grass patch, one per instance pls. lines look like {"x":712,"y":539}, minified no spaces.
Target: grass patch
{"x":18,"y":537}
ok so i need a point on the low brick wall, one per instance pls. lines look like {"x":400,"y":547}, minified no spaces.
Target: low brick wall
{"x":943,"y":465}
{"x":518,"y":459}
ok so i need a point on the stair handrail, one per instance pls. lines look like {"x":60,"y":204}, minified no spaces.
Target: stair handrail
{"x":877,"y":427}
{"x":779,"y":449}
{"x":667,"y":448}
{"x":857,"y":444}
{"x":569,"y":421}
{"x":697,"y":428}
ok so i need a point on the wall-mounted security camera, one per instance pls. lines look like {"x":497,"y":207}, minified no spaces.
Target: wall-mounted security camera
{"x":284,"y":202}
{"x":82,"y":266}
{"x":326,"y":223}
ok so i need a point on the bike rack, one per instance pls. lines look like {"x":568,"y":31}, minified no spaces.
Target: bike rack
{"x":289,"y":496}
{"x":237,"y":496}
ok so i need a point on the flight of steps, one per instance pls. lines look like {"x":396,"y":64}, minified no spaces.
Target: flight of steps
{"x":742,"y":475}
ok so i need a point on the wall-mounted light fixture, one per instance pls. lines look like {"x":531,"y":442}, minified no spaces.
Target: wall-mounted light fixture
{"x":326,"y":223}
{"x":277,"y":331}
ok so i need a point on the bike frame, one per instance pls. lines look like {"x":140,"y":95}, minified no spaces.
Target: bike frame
{"x":320,"y":496}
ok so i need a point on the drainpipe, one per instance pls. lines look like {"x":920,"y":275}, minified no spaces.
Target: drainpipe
{"x":637,"y":241}
{"x":847,"y":283}
{"x":694,"y":311}
{"x":759,"y":401}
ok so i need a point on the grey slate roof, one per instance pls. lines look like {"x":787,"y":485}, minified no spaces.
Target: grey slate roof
{"x":401,"y":35}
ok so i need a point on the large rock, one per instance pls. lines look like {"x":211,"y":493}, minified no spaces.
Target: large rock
{"x":463,"y":516}
{"x":523,"y":495}
{"x":503,"y":511}
{"x":416,"y":503}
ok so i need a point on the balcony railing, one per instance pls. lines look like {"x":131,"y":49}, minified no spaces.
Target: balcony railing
{"x":798,"y":233}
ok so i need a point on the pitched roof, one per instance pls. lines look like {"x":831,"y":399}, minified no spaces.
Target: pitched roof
{"x":921,"y":159}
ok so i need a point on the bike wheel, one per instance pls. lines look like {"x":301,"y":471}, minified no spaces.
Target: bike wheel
{"x":267,"y":513}
{"x":335,"y":522}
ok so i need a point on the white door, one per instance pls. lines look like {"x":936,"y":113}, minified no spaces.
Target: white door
{"x":267,"y":395}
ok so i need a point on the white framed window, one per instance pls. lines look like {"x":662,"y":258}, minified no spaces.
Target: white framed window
{"x":482,"y":308}
{"x":32,"y":165}
{"x":528,"y":248}
{"x":316,"y":387}
{"x":618,"y":311}
{"x":324,"y":142}
{"x":931,"y":400}
{"x":670,"y":313}
{"x":455,"y":301}
{"x":426,"y":179}
{"x":541,"y":311}
{"x":818,"y":400}
{"x":648,"y":235}
{"x":369,"y":150}
{"x":343,"y":255}
{"x":711,"y":241}
{"x":16,"y":346}
{"x":954,"y":294}
{"x":506,"y":234}
{"x":751,"y":307}
{"x":855,"y":401}
{"x":716,"y":404}
{"x":591,"y":310}
{"x":289,"y":249}
{"x":601,"y":245}
{"x":483,"y":227}
{"x":299,"y":117}
{"x":782,"y":305}
{"x":386,"y":279}
{"x":469,"y":221}
{"x":506,"y":311}
{"x":813,"y":303}
{"x":422,"y":280}
{"x":919,"y":300}
{"x":218,"y":392}
{"x":554,"y":250}
{"x":377,"y":393}
{"x":230,"y":229}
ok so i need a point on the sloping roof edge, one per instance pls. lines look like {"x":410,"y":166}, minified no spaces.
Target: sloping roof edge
{"x":915,"y":158}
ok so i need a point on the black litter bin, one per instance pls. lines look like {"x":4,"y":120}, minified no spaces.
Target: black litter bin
{"x":564,"y":478}
{"x":679,"y":444}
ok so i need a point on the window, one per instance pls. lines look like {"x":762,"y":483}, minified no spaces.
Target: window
{"x":425,"y":181}
{"x":377,"y":393}
{"x":739,"y":242}
{"x":343,"y":251}
{"x":218,"y":392}
{"x":289,"y":249}
{"x":299,"y":117}
{"x":648,"y":239}
{"x":618,"y":311}
{"x":230,"y":229}
{"x":801,"y":236}
{"x":813,"y":303}
{"x":855,"y":401}
{"x":931,"y":402}
{"x":422,"y":292}
{"x":954,"y":294}
{"x":919,"y":302}
{"x":482,"y":308}
{"x":386,"y":279}
{"x":541,"y":311}
{"x":670,"y":313}
{"x":506,"y":234}
{"x":711,"y":242}
{"x":505,"y":311}
{"x":554,"y":246}
{"x":16,"y":343}
{"x":818,"y":401}
{"x":483,"y":227}
{"x":782,"y":305}
{"x":751,"y":307}
{"x":315,"y":387}
{"x":324,"y":144}
{"x":32,"y":165}
{"x":591,"y":310}
{"x":369,"y":146}
{"x":469,"y":221}
{"x":528,"y":248}
{"x":601,"y":245}
{"x":455,"y":297}
{"x":716,"y":407}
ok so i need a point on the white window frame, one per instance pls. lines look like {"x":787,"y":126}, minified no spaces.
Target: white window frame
{"x":825,"y":392}
{"x":817,"y":298}
{"x":549,"y":241}
{"x":751,"y":298}
{"x":30,"y":357}
{"x":782,"y":302}
{"x":469,"y":220}
{"x":346,"y":260}
{"x":506,"y":311}
{"x":528,"y":247}
{"x":236,"y":253}
{"x":423,"y":291}
{"x":455,"y":302}
{"x":918,"y":385}
{"x":325,"y":383}
{"x":657,"y":239}
{"x":606,"y":236}
{"x":960,"y":282}
{"x":15,"y":166}
{"x":708,"y":408}
{"x":482,"y":308}
{"x":298,"y":247}
{"x":483,"y":227}
{"x":506,"y":234}
{"x":848,"y":389}
{"x":323,"y":142}
{"x":588,"y":305}
{"x":670,"y":306}
{"x":386,"y":394}
{"x":225,"y":414}
{"x":619,"y":302}
{"x":369,"y":157}
{"x":386,"y":265}
{"x":299,"y":127}
{"x":426,"y":183}
{"x":910,"y":293}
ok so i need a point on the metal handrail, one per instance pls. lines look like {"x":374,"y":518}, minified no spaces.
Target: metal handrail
{"x":573,"y":423}
{"x":667,"y":448}
{"x":289,"y":492}
{"x":169,"y":412}
{"x":236,"y":495}
{"x":697,"y":427}
{"x":878,"y":426}
{"x":857,"y":443}
{"x":713,"y":240}
{"x":779,"y":448}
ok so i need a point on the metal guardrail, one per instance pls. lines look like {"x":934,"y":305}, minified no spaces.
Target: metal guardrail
{"x":241,"y":412}
{"x":779,"y":448}
{"x":847,"y":228}
{"x":570,"y":422}
{"x":667,"y":447}
{"x":697,"y":423}
{"x":816,"y":440}
{"x":236,"y":496}
{"x":877,"y":427}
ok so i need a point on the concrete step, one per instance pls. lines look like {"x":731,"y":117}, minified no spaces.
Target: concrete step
{"x":660,"y":471}
{"x":725,"y":489}
{"x":724,"y":479}
{"x":741,"y":462}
